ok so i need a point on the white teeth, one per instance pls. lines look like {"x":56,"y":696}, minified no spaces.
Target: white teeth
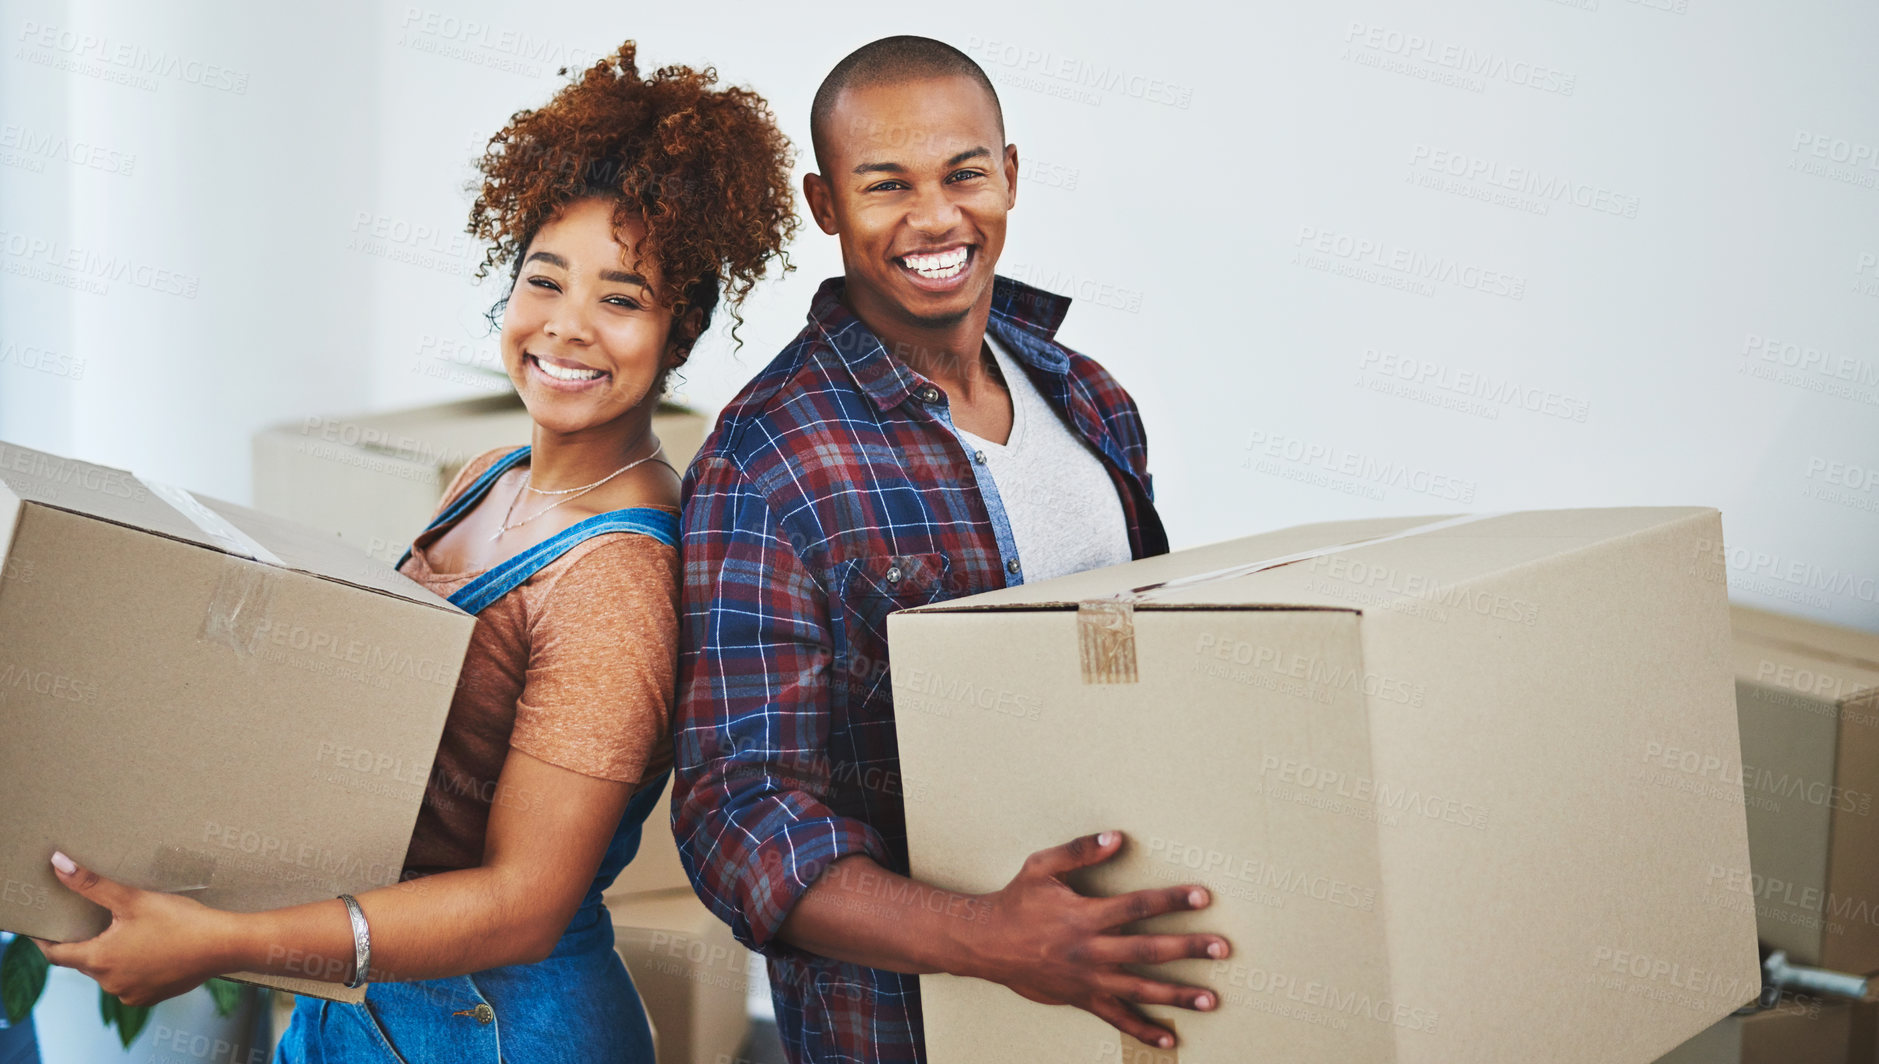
{"x":937,"y":267}
{"x":561,"y":374}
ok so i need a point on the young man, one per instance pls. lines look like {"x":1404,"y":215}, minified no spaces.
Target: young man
{"x":923,"y":438}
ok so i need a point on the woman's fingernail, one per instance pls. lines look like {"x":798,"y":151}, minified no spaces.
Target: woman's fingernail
{"x":1107,"y":838}
{"x":1197,"y":898}
{"x":63,"y":863}
{"x":1165,"y":1042}
{"x":1216,"y":950}
{"x":1205,"y":1001}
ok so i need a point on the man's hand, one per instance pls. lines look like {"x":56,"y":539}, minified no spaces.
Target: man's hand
{"x":1053,"y":945}
{"x":1036,"y":936}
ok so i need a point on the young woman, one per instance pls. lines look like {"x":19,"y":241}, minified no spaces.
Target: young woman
{"x":622,"y":209}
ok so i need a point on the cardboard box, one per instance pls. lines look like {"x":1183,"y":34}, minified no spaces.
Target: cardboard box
{"x":693,"y":976}
{"x":1433,"y":771}
{"x":1808,"y":695}
{"x":1798,"y":1031}
{"x":1864,"y":1035}
{"x":197,"y":697}
{"x":375,"y":479}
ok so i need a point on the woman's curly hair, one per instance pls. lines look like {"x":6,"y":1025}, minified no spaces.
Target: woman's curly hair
{"x":705,"y":170}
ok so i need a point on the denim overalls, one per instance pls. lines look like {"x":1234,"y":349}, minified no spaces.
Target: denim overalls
{"x":578,"y":1005}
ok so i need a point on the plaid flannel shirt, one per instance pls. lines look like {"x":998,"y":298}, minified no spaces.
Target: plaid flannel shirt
{"x":833,"y":491}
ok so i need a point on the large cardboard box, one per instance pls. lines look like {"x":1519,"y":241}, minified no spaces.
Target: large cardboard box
{"x":1436,"y":773}
{"x":375,"y":479}
{"x":1808,"y":695}
{"x":692,"y":974}
{"x":197,"y":697}
{"x":1803,"y":1030}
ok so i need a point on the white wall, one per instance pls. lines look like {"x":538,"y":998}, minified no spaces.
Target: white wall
{"x":1210,"y":208}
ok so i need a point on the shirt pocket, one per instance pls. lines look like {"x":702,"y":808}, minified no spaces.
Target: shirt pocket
{"x":867,"y":589}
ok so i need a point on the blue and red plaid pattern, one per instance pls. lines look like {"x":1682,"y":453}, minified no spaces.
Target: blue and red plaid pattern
{"x":833,"y":491}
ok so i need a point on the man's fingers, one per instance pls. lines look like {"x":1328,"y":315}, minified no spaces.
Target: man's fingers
{"x":1130,"y":1022}
{"x":1142,"y":904}
{"x":90,"y":885}
{"x":1075,"y":854}
{"x":1153,"y":949}
{"x":1152,"y":992}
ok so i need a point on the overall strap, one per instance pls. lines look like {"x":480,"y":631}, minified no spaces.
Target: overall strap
{"x":501,"y":579}
{"x":471,"y":495}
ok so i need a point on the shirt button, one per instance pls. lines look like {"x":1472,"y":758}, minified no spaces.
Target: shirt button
{"x":893,"y":574}
{"x":929,"y":394}
{"x":979,"y":457}
{"x":1011,"y":566}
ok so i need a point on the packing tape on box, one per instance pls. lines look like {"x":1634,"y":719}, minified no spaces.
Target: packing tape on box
{"x":1131,"y":1051}
{"x":1106,"y":627}
{"x":214,"y":525}
{"x":244,"y":591}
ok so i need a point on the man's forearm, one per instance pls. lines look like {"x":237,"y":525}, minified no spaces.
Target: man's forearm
{"x":864,"y":914}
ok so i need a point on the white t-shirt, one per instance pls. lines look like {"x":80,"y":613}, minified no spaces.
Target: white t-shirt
{"x":1063,"y":509}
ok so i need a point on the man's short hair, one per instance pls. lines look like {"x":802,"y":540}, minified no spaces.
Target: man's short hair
{"x":888,"y":61}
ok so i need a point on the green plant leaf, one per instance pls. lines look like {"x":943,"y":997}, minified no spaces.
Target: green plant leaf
{"x":107,"y":1007}
{"x":130,"y":1022}
{"x":227,"y":996}
{"x":22,"y":978}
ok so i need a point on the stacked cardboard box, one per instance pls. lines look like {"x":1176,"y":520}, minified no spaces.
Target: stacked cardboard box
{"x":1435,"y":773}
{"x":1800,"y":1030}
{"x":375,"y":479}
{"x":201,"y":698}
{"x":1808,"y":699}
{"x":692,"y":975}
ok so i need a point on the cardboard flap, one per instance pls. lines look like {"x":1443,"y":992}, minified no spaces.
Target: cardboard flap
{"x":120,"y":497}
{"x":1436,"y":550}
{"x":303,"y":549}
{"x":97,"y":491}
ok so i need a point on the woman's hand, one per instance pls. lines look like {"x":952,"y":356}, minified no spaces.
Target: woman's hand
{"x":158,"y":945}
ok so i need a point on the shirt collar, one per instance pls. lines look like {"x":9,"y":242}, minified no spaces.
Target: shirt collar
{"x":1024,"y":318}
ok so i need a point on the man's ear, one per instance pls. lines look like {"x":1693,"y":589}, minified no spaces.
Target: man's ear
{"x":1011,"y":176}
{"x":821,"y":199}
